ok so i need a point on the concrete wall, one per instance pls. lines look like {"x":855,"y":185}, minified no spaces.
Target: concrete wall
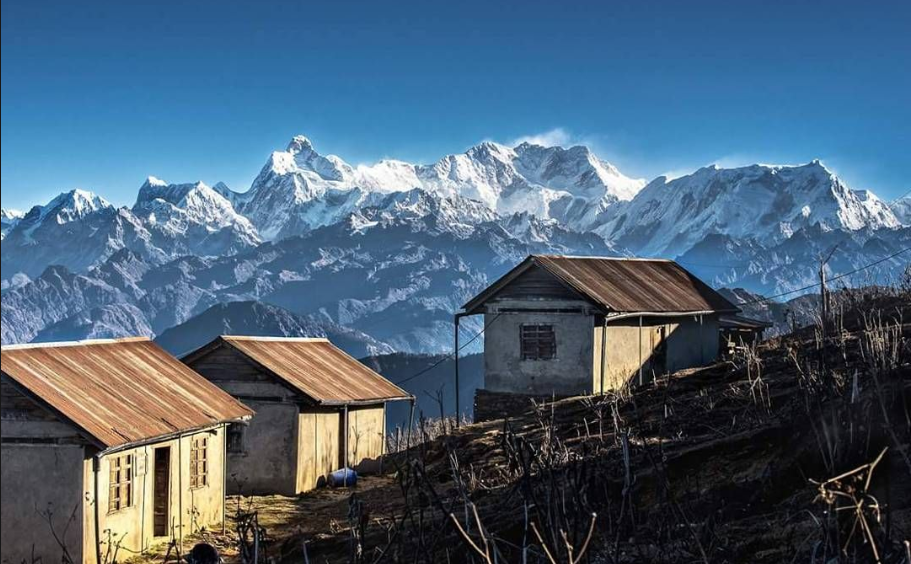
{"x":694,"y":343}
{"x":570,"y":373}
{"x":688,"y":343}
{"x":268,"y":463}
{"x":40,"y":478}
{"x":131,"y":528}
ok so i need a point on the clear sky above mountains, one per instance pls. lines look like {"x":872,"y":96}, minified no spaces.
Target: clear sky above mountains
{"x":99,"y":95}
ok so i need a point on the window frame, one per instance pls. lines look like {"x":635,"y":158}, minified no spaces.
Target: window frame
{"x":120,"y":482}
{"x":199,"y":462}
{"x":537,"y":341}
{"x":236,"y":438}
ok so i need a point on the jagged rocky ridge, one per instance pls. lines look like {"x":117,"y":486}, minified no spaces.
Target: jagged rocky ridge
{"x":389,"y":251}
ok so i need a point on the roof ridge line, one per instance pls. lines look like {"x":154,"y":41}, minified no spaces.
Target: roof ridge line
{"x":597,"y":257}
{"x":276,"y":339}
{"x":79,"y":343}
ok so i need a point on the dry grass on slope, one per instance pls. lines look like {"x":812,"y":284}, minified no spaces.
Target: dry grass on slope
{"x":729,"y":463}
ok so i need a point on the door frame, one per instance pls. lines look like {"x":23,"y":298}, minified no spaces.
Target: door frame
{"x":166,"y":450}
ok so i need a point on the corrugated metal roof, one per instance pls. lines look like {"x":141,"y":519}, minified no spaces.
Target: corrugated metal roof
{"x":120,"y":391}
{"x":317,"y":368}
{"x":740,"y":322}
{"x":623,"y":285}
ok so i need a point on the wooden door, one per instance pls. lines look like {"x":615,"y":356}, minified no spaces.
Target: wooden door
{"x":318,"y":448}
{"x":161,"y":494}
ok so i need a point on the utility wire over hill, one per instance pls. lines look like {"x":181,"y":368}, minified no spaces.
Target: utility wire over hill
{"x":450,"y":355}
{"x":836,"y":277}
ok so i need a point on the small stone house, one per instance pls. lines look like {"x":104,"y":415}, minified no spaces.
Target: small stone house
{"x":111,"y":446}
{"x":584,"y":325}
{"x":317,"y":410}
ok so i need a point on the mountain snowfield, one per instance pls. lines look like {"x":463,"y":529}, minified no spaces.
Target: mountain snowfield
{"x":381,"y":255}
{"x":763,"y":202}
{"x":8,"y":220}
{"x":902,"y":210}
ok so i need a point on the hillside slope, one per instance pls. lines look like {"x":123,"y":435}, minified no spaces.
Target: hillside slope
{"x":729,"y":463}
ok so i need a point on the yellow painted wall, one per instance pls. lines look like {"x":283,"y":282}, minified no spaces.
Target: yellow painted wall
{"x":690,"y":341}
{"x":131,"y":528}
{"x":318,"y":447}
{"x":321,"y":440}
{"x":366,"y":437}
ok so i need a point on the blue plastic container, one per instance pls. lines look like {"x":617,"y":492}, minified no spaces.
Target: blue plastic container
{"x":343,"y":478}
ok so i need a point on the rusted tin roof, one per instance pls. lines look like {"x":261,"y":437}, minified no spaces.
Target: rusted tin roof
{"x":738,"y":322}
{"x":315,"y":367}
{"x":622,"y":285}
{"x":119,"y":391}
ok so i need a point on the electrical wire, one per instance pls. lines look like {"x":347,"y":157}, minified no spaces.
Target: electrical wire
{"x":450,"y":355}
{"x":836,"y":277}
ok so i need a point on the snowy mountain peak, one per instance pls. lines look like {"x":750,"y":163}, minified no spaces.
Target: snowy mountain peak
{"x":299,"y":189}
{"x":175,"y":194}
{"x":10,"y":214}
{"x":767,"y":203}
{"x":72,"y":205}
{"x":301,"y":158}
{"x":154,"y":181}
{"x":490,"y":150}
{"x":299,"y":144}
{"x":8,"y":220}
{"x":194,"y":211}
{"x":902,"y":210}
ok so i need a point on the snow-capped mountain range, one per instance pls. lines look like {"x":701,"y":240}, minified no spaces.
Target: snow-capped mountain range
{"x":298,"y":189}
{"x":763,"y":202}
{"x":383,"y":254}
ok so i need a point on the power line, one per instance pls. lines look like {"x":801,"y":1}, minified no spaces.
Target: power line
{"x":908,"y":193}
{"x":836,"y":277}
{"x":450,"y":355}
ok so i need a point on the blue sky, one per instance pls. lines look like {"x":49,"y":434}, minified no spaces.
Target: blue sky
{"x":100,"y":95}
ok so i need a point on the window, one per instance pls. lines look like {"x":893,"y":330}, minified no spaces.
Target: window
{"x":120,"y":495}
{"x":538,"y":342}
{"x":235,"y":438}
{"x":199,"y":462}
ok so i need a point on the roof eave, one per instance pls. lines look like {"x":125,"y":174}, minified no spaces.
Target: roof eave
{"x":372,"y":401}
{"x":170,"y":436}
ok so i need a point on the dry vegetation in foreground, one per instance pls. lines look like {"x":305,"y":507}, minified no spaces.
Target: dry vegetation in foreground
{"x":795,"y":451}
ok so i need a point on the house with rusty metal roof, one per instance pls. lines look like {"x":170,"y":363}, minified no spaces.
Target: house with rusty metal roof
{"x":110,"y":446}
{"x":317,"y":410}
{"x":569,"y":325}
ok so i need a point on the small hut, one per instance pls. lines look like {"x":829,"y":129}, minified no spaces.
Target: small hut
{"x":317,"y":410}
{"x":109,"y":446}
{"x":564,"y":325}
